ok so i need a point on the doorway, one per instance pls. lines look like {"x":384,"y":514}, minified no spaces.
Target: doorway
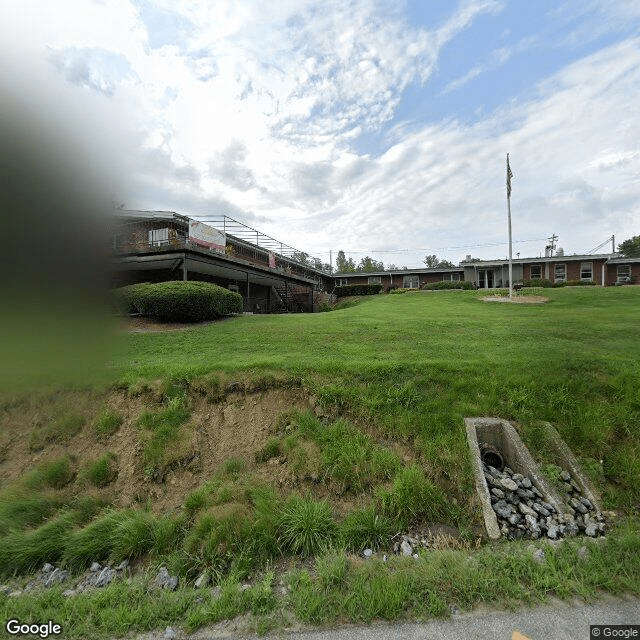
{"x":485,"y":279}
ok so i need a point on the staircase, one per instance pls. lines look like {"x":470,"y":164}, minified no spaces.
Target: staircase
{"x":288,"y":303}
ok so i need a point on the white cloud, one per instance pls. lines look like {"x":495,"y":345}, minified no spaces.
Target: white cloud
{"x":253,"y":111}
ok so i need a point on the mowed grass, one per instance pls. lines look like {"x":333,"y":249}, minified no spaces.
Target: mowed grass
{"x":393,"y":370}
{"x":415,"y":365}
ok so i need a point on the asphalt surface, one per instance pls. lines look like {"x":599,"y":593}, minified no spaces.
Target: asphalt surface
{"x":558,"y":621}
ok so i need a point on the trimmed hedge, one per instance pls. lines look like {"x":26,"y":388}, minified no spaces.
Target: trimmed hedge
{"x":178,"y":301}
{"x":538,"y":282}
{"x":575,"y":283}
{"x":448,"y":284}
{"x":358,"y":290}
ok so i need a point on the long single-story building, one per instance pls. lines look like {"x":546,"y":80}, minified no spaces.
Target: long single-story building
{"x":154,"y":246}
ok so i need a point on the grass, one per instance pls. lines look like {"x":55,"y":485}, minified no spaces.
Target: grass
{"x":107,"y":423}
{"x":306,"y":525}
{"x":164,"y":427}
{"x":59,"y":429}
{"x":103,"y":471}
{"x":404,"y":369}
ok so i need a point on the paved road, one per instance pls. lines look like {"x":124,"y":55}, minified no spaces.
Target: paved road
{"x":558,"y":621}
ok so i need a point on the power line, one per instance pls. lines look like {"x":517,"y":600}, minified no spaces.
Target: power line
{"x":463,"y":246}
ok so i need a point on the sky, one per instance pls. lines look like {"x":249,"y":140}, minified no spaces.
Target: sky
{"x":378,"y":128}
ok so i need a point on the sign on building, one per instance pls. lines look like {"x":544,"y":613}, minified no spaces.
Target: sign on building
{"x":207,"y":236}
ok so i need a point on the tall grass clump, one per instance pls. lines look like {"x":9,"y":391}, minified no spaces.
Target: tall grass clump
{"x":103,"y":471}
{"x":306,"y":525}
{"x":164,"y":427}
{"x":107,"y":423}
{"x":19,"y":509}
{"x":60,"y":429}
{"x":353,"y":459}
{"x":366,"y":528}
{"x":413,"y":495}
{"x":24,"y":552}
{"x":94,"y":542}
{"x":134,"y":536}
{"x":55,"y":474}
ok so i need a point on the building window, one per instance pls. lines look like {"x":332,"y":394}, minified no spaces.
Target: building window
{"x":536,"y":271}
{"x":586,"y":271}
{"x":624,"y":272}
{"x":158,"y":237}
{"x":411,"y":282}
{"x":375,"y":280}
{"x":560,"y":272}
{"x":343,"y":282}
{"x":451,"y":277}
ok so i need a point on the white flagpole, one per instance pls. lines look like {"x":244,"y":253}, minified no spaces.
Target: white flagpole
{"x":510,"y":248}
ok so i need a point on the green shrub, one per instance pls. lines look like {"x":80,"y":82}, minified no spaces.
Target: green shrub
{"x":179,"y":301}
{"x":357,"y":290}
{"x":103,"y":471}
{"x":538,"y":282}
{"x":107,"y":423}
{"x":579,"y":283}
{"x":447,"y":284}
{"x":306,"y":525}
{"x":399,"y":290}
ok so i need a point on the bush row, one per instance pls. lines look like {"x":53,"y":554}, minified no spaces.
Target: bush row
{"x":358,"y":290}
{"x":547,"y":284}
{"x":178,"y":301}
{"x":446,"y":284}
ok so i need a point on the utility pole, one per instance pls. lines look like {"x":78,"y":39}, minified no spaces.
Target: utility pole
{"x":552,"y":244}
{"x":613,"y":244}
{"x":330,"y":261}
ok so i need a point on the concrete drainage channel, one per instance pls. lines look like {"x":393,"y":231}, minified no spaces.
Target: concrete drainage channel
{"x":517,"y":499}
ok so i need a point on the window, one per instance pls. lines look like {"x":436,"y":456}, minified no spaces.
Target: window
{"x":536,"y":271}
{"x":451,"y":277}
{"x":560,"y":272}
{"x":410,"y":282}
{"x":159,"y":237}
{"x":343,"y":282}
{"x":624,"y":272}
{"x":586,"y":271}
{"x":375,"y":280}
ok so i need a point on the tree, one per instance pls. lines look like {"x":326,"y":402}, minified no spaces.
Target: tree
{"x":433,"y":262}
{"x":630,"y":248}
{"x":301,"y":257}
{"x":369,"y":265}
{"x":343,"y":265}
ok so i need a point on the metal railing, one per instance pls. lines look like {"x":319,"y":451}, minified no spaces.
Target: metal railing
{"x":167,"y":234}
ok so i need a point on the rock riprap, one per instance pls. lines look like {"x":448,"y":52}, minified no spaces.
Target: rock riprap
{"x":522,"y":511}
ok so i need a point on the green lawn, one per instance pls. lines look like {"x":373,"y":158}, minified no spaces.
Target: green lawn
{"x":394,"y":369}
{"x":416,"y":364}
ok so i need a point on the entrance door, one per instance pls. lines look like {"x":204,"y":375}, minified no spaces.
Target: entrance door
{"x":485,"y":279}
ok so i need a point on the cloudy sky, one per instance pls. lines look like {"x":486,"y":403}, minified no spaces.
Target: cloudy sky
{"x":376,"y":127}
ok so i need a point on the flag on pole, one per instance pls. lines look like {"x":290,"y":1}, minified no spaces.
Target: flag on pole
{"x":509,"y":176}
